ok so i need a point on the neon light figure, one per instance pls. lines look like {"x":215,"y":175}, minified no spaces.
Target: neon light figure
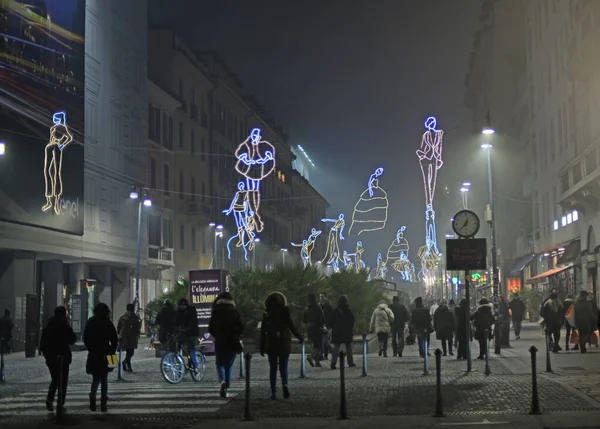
{"x":245,"y":235}
{"x":336,"y":233}
{"x":358,"y":263}
{"x":381,"y":269}
{"x":370,"y":212}
{"x":256,"y":160}
{"x":428,"y":258}
{"x":60,"y":138}
{"x":307,"y":247}
{"x":347,"y":261}
{"x":239,"y":206}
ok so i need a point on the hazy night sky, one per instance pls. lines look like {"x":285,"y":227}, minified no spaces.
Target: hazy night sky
{"x":353,"y":82}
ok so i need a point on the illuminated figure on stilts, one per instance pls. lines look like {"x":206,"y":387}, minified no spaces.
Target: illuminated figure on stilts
{"x":381,"y":268}
{"x":397,"y":256}
{"x":332,"y":253}
{"x":244,"y":221}
{"x":256,"y":160}
{"x":307,"y":247}
{"x":370,"y":212}
{"x":60,"y":138}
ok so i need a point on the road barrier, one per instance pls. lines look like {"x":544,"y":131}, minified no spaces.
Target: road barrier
{"x":364,"y":353}
{"x":242,"y":364}
{"x":343,"y":403}
{"x":247,"y":414}
{"x":548,"y":362}
{"x":439,"y":411}
{"x":535,"y":402}
{"x":487,"y":352}
{"x":303,"y":361}
{"x":60,"y":400}
{"x":426,"y":356}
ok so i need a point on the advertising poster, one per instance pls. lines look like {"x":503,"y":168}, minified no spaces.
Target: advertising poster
{"x":42,"y":113}
{"x":469,"y":254}
{"x":205,"y":286}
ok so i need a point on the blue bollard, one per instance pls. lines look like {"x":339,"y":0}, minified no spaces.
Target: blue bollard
{"x":303,"y":361}
{"x":242,"y":375}
{"x":487,"y":352}
{"x":120,"y":371}
{"x":425,"y":358}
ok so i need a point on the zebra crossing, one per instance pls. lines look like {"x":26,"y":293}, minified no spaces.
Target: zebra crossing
{"x":129,"y":398}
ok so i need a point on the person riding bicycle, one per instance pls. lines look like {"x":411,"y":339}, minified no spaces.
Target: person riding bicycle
{"x":187,"y":323}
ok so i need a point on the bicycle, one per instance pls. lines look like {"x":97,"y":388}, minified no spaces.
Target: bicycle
{"x":173,"y":366}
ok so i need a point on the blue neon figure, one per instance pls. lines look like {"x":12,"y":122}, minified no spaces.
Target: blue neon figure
{"x":335,"y":234}
{"x":381,"y":267}
{"x":245,"y":235}
{"x":307,"y":247}
{"x":374,"y":176}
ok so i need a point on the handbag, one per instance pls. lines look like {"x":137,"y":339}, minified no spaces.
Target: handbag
{"x":112,"y":361}
{"x":574,"y":337}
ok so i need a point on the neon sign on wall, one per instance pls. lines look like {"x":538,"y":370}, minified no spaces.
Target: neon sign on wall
{"x":60,"y":138}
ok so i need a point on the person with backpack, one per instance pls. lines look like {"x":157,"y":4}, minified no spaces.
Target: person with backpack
{"x":342,"y":322}
{"x":276,"y":332}
{"x":128,"y":328}
{"x":165,"y":319}
{"x":483,"y":320}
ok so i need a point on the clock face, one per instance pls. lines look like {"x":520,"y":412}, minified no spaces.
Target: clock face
{"x":465,"y":224}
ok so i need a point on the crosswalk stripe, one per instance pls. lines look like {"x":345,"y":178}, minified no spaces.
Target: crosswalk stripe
{"x":130,"y":411}
{"x":136,"y":398}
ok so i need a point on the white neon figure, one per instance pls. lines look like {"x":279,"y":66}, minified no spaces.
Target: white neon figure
{"x":430,"y":159}
{"x":381,"y":269}
{"x":335,"y":264}
{"x":239,"y":207}
{"x":371,"y":210}
{"x":307,"y":247}
{"x":256,"y":160}
{"x":333,"y":241}
{"x":245,"y":235}
{"x":347,"y":260}
{"x":428,"y":258}
{"x":60,"y":138}
{"x":358,"y":263}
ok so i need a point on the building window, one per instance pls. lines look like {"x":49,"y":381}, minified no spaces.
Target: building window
{"x":152,"y":173}
{"x":203,"y":192}
{"x":168,"y":233}
{"x":181,"y":135}
{"x":154,"y":120}
{"x":166,"y":174}
{"x":154,"y":232}
{"x":193,"y":189}
{"x":181,"y":237}
{"x":192,"y":142}
{"x":181,"y":185}
{"x":202,"y":149}
{"x":193,"y":239}
{"x":167,"y":131}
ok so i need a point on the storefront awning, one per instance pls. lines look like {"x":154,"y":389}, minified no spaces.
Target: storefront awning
{"x":541,"y":277}
{"x":521,"y":264}
{"x":570,"y":254}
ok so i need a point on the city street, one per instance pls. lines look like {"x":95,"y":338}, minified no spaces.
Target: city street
{"x":393,"y":387}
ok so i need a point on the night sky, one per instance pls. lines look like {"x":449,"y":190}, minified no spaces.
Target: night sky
{"x":353,"y":82}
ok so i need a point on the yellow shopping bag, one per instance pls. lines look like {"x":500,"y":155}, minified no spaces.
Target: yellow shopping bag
{"x":112,"y":361}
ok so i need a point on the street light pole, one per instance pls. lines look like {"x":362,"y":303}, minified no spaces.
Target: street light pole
{"x":137,"y":262}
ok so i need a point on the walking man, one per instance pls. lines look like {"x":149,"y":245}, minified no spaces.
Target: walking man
{"x":129,"y":333}
{"x":517,"y":308}
{"x":401,"y":316}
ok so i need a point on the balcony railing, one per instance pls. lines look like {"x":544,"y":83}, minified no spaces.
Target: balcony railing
{"x":580,"y":181}
{"x":160,"y":256}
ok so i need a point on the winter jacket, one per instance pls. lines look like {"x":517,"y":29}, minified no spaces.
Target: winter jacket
{"x":585,"y":319}
{"x":277,"y":327}
{"x":552,"y":312}
{"x":6,"y":327}
{"x":443,"y":323}
{"x":420,"y":320}
{"x":226,"y":327}
{"x":342,"y":323}
{"x":128,"y":329}
{"x":401,"y":315}
{"x":382,"y":319}
{"x":517,"y":307}
{"x":100,"y":339}
{"x":57,"y":337}
{"x":327,"y":310}
{"x":165,"y":319}
{"x":187,"y":321}
{"x":483,"y":320}
{"x":314,"y":319}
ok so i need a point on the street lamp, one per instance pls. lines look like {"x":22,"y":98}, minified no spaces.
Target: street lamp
{"x":487,"y":131}
{"x":134,"y":194}
{"x":256,"y":241}
{"x":283,"y":252}
{"x":218,"y":233}
{"x":2,"y":148}
{"x":465,"y":192}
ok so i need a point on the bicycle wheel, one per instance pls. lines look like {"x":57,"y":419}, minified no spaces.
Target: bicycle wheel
{"x":199,"y":374}
{"x":172,"y":367}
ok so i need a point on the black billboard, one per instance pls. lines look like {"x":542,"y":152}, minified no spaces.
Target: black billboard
{"x":466,"y":254}
{"x":42,"y":113}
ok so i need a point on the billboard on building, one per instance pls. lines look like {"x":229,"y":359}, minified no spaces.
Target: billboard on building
{"x":42,"y":113}
{"x":205,"y":286}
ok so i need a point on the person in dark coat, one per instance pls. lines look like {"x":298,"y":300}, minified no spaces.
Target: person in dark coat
{"x":57,"y":337}
{"x":314,"y":320}
{"x":186,"y":321}
{"x":552,"y":313}
{"x":227,"y":328}
{"x":444,"y":325}
{"x":420,"y":319}
{"x":585,"y":319}
{"x":327,"y":311}
{"x":517,"y":308}
{"x":461,"y":329}
{"x":483,"y":320}
{"x":342,"y":324}
{"x":276,"y":332}
{"x":6,"y":327}
{"x":100,"y":339}
{"x":165,"y":319}
{"x":401,"y":317}
{"x":128,"y":329}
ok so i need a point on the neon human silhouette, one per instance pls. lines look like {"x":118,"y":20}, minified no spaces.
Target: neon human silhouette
{"x":358,"y":263}
{"x":60,"y":138}
{"x":336,"y":233}
{"x":371,"y":210}
{"x":428,"y":258}
{"x":381,"y":269}
{"x":240,"y":207}
{"x":307,"y":247}
{"x":347,"y":261}
{"x":397,"y":256}
{"x":256,"y":160}
{"x":245,"y":235}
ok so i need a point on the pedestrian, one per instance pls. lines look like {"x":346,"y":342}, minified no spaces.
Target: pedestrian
{"x":401,"y":317}
{"x":552,"y":313}
{"x":517,"y":308}
{"x":503,"y":321}
{"x":444,"y":325}
{"x":6,"y":327}
{"x":483,"y":319}
{"x":186,"y":321}
{"x":226,"y":327}
{"x":433,"y":307}
{"x":314,"y":320}
{"x":461,"y":329}
{"x":57,"y":337}
{"x":165,"y":319}
{"x":568,"y":319}
{"x":381,"y":324}
{"x":585,"y":319}
{"x":342,"y":323}
{"x":128,"y":328}
{"x":420,"y":319}
{"x":327,"y":312}
{"x":276,"y":332}
{"x":101,"y":340}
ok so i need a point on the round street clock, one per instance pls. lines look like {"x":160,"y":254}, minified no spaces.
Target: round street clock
{"x":465,"y":224}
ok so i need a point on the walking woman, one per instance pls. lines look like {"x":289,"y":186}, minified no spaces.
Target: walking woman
{"x":100,"y":339}
{"x":276,"y":339}
{"x":314,"y":320}
{"x":226,"y":327}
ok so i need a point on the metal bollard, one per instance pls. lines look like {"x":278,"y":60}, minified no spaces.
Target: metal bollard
{"x":61,"y":388}
{"x":247,"y":417}
{"x":2,"y":370}
{"x":303,"y":361}
{"x":343,"y":404}
{"x":120,"y":370}
{"x":439,"y":411}
{"x":535,"y":402}
{"x":364,"y":353}
{"x":548,"y":363}
{"x":242,"y":364}
{"x":498,"y":339}
{"x":426,"y":357}
{"x":487,"y":352}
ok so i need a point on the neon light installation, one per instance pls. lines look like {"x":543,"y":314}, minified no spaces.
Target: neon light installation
{"x":371,"y":210}
{"x":381,"y":269}
{"x":347,"y":261}
{"x":60,"y":138}
{"x":397,"y":256}
{"x":358,"y":263}
{"x":336,"y":233}
{"x":430,"y":159}
{"x":307,"y":247}
{"x":256,"y":160}
{"x":245,"y":221}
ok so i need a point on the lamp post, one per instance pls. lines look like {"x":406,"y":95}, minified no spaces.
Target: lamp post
{"x":2,"y":148}
{"x":256,"y":241}
{"x":218,"y":233}
{"x":465,"y":192}
{"x":134,"y":194}
{"x":283,"y":252}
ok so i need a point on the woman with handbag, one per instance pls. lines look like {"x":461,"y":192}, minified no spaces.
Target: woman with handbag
{"x":101,"y":341}
{"x":226,"y":327}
